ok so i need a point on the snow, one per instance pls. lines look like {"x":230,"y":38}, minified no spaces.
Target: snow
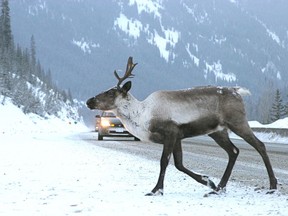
{"x":216,"y":69}
{"x":84,"y":45}
{"x":218,"y":39}
{"x":148,"y":6}
{"x":271,"y":67}
{"x":274,"y":36}
{"x":51,"y":167}
{"x":165,"y":40}
{"x":199,"y":17}
{"x":165,"y":44}
{"x":131,"y":27}
{"x":271,"y":137}
{"x":234,"y":1}
{"x":270,"y":33}
{"x":281,"y":123}
{"x":194,"y":59}
{"x":38,"y":7}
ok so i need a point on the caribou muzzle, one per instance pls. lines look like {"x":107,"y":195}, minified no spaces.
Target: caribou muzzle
{"x":92,"y":103}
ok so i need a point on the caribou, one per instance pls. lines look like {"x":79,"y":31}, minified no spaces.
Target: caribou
{"x":167,"y":117}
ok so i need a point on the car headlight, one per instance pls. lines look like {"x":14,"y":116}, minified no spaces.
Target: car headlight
{"x":105,"y":123}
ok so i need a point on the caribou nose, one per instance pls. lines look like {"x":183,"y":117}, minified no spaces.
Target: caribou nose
{"x":90,"y":103}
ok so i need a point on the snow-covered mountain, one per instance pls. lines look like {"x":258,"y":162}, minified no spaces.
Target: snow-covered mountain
{"x":177,"y":44}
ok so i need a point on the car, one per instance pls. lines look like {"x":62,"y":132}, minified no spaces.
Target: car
{"x":109,"y":125}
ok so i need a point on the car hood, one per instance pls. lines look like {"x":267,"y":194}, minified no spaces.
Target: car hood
{"x":113,"y":120}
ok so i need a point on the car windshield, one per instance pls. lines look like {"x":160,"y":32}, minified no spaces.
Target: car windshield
{"x":108,"y":114}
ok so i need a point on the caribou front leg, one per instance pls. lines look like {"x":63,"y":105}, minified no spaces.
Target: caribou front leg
{"x":166,"y":154}
{"x":166,"y":133}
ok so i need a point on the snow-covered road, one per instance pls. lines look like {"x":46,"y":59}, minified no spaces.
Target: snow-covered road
{"x":203,"y":155}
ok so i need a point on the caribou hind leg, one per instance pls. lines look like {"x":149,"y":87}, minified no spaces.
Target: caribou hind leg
{"x":247,"y":134}
{"x":222,"y":139}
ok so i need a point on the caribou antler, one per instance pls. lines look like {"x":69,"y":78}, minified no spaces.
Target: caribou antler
{"x":128,"y":74}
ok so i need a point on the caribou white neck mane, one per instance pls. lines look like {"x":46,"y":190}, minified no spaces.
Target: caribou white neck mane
{"x":167,"y":117}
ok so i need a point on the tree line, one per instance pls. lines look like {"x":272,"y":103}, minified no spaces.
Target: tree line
{"x":270,"y":104}
{"x":22,"y":78}
{"x":279,"y":108}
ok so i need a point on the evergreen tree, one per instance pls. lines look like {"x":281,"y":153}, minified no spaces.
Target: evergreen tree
{"x":50,"y":104}
{"x":286,"y":109}
{"x":25,"y":64}
{"x":48,"y":79}
{"x":39,"y":71}
{"x":20,"y":96}
{"x":264,"y":103}
{"x":278,"y":109}
{"x":6,"y":40}
{"x":33,"y":50}
{"x":33,"y":54}
{"x":70,"y":96}
{"x":2,"y":82}
{"x":19,"y":61}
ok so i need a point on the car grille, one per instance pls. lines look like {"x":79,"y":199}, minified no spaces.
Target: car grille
{"x":117,"y":125}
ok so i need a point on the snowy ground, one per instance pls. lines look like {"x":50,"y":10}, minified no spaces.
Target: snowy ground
{"x":46,"y":168}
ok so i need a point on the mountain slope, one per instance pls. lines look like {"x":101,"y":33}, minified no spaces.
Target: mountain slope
{"x":178,"y":44}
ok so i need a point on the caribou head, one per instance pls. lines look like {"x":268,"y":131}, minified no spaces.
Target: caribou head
{"x":107,"y":100}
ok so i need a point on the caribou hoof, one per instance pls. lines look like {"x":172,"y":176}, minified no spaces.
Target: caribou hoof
{"x":271,"y":191}
{"x":157,"y":193}
{"x":262,"y":189}
{"x":211,"y":193}
{"x":209,"y":182}
{"x":218,"y":191}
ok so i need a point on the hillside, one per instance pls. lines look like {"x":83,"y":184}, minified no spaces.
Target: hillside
{"x":24,"y":81}
{"x":177,"y":44}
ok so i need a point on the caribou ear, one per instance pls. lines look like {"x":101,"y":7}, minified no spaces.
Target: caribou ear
{"x":126,"y":87}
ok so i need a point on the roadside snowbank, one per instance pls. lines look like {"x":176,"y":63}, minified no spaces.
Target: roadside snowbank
{"x":13,"y":120}
{"x":281,"y":123}
{"x":269,"y":137}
